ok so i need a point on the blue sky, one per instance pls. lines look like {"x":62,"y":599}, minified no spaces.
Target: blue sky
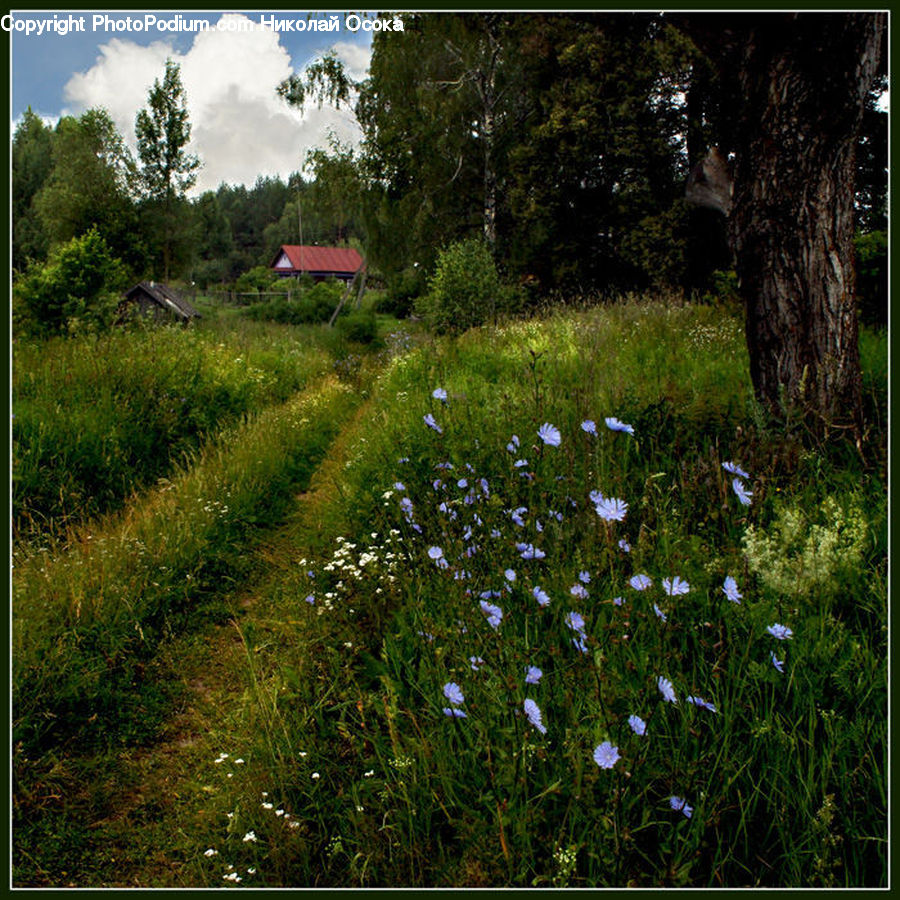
{"x":241,"y":129}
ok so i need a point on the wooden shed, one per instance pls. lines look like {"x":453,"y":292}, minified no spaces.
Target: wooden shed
{"x":160,"y":302}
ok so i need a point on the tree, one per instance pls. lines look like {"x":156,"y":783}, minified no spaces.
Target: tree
{"x":168,"y":171}
{"x":803,"y":81}
{"x":32,"y":162}
{"x":91,"y":185}
{"x":77,"y":288}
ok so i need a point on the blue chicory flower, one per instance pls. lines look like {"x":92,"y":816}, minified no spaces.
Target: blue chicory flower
{"x":679,"y":804}
{"x":454,"y":712}
{"x":532,"y":674}
{"x":549,"y":434}
{"x":534,"y":715}
{"x":615,"y":425}
{"x":778,"y":663}
{"x":453,"y":692}
{"x":612,"y":509}
{"x":666,"y":689}
{"x":742,"y":493}
{"x":541,"y":596}
{"x":439,"y":394}
{"x":675,"y":586}
{"x":730,"y":589}
{"x":703,"y":704}
{"x":605,"y":755}
{"x":780,"y":632}
{"x":734,"y":469}
{"x":660,"y":613}
{"x":637,"y":724}
{"x":640,"y":582}
{"x":494,"y":613}
{"x":431,"y":423}
{"x":589,"y":427}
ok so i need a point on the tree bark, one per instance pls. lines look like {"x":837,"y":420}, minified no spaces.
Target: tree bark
{"x":804,"y":78}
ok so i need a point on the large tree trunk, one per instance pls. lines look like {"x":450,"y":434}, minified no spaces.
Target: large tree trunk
{"x":804,"y":78}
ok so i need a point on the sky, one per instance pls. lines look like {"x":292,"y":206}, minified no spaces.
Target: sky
{"x":241,"y":128}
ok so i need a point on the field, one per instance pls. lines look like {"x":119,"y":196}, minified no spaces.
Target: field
{"x":549,"y":604}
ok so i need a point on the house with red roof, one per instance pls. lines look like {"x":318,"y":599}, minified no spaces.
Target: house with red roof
{"x":319,"y":262}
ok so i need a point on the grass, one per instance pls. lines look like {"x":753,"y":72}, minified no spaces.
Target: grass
{"x":354,"y":630}
{"x":99,"y":417}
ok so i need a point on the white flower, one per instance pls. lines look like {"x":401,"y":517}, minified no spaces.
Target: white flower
{"x":211,"y":852}
{"x":250,"y":836}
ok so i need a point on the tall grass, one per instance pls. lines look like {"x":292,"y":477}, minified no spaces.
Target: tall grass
{"x":462,"y":556}
{"x":88,"y":621}
{"x":98,"y":417}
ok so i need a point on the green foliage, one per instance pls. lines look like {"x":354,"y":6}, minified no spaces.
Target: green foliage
{"x":465,"y":289}
{"x":257,"y":279}
{"x":76,"y":289}
{"x":871,"y":277}
{"x":97,"y":419}
{"x":359,"y":326}
{"x":32,"y":162}
{"x":306,"y":306}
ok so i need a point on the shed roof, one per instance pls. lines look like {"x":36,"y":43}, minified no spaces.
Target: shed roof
{"x":166,"y":298}
{"x":307,"y":258}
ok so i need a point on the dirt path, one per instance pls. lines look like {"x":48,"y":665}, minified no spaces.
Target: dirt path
{"x":144,"y":817}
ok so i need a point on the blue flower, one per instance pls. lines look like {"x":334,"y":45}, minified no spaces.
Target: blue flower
{"x":529,"y":551}
{"x":605,"y":755}
{"x":730,"y":589}
{"x":516,"y":515}
{"x":611,"y":509}
{"x":541,"y":596}
{"x":399,"y":486}
{"x":310,"y":598}
{"x":742,"y":493}
{"x":666,"y":689}
{"x":513,"y":445}
{"x":439,"y":394}
{"x":494,"y":613}
{"x":778,"y":663}
{"x":704,"y":704}
{"x":675,"y":586}
{"x":637,"y":724}
{"x":435,"y":553}
{"x":532,"y":675}
{"x":534,"y":715}
{"x":510,"y":575}
{"x":520,"y":463}
{"x":618,"y":601}
{"x":575,"y":621}
{"x":462,"y":484}
{"x":596,"y":497}
{"x":584,"y":577}
{"x":659,"y":613}
{"x":624,"y":546}
{"x":640,"y":582}
{"x":780,"y":632}
{"x":549,"y":434}
{"x":430,"y":422}
{"x":589,"y":426}
{"x":579,"y":591}
{"x":615,"y":425}
{"x":734,"y":469}
{"x":476,"y":662}
{"x":456,"y":713}
{"x":453,"y":693}
{"x":679,"y":804}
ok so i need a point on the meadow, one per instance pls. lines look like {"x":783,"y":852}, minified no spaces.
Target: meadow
{"x":552,"y":603}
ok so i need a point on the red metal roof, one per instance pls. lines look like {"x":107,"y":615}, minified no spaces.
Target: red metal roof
{"x":320,"y":259}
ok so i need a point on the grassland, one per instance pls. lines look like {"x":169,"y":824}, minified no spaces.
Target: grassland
{"x":301,"y":660}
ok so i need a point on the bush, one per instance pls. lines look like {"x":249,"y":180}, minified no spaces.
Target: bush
{"x":307,"y":307}
{"x":465,"y":289}
{"x":358,"y":326}
{"x":78,"y":289}
{"x":402,"y":291}
{"x":256,"y":279}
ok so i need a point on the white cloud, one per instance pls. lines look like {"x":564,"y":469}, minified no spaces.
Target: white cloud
{"x":241,"y":128}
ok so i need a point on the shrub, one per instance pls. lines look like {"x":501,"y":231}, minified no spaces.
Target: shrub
{"x":402,"y":291}
{"x":358,"y":326}
{"x":256,"y":279}
{"x":465,"y":289}
{"x":76,"y":290}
